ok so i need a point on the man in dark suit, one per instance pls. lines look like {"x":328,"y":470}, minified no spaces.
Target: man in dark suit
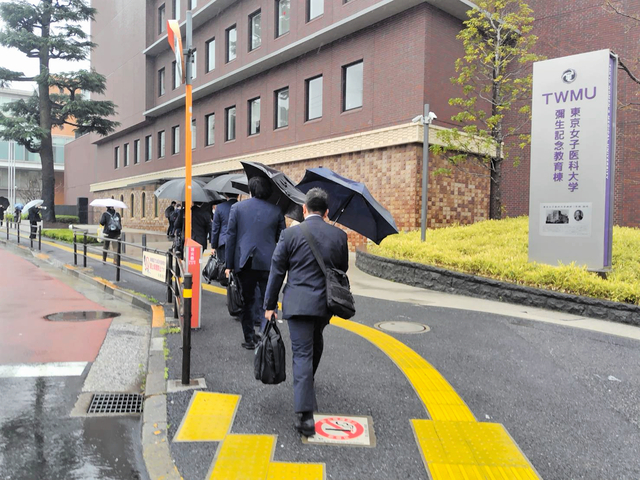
{"x":305,"y":296}
{"x":220,"y":222}
{"x":252,"y":232}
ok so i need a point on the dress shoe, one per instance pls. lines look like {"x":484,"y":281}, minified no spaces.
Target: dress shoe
{"x":249,"y":345}
{"x":305,"y":424}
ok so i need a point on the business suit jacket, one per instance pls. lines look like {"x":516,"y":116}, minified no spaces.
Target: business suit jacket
{"x":253,"y":230}
{"x":220,"y":222}
{"x":305,"y":292}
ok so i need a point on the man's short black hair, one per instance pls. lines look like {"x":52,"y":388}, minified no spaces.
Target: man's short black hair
{"x":260,"y":188}
{"x":173,"y":203}
{"x":232,"y":196}
{"x":317,"y":201}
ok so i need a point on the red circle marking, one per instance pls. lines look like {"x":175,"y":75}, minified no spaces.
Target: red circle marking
{"x":339,"y":428}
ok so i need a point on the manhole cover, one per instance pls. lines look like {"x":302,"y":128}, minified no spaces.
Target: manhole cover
{"x":116,"y":403}
{"x":80,"y":316}
{"x":403,"y":327}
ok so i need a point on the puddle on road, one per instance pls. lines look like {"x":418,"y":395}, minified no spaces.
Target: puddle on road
{"x":80,"y":316}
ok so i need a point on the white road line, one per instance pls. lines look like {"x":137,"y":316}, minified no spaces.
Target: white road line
{"x":56,"y":369}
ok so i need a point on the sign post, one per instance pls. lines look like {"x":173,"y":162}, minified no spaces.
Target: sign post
{"x":572,"y":160}
{"x":193,"y":253}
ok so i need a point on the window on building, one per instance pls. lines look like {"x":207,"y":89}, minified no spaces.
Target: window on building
{"x":116,"y":157}
{"x":122,"y":209}
{"x":231,"y":35}
{"x":161,"y":139}
{"x":143,"y":204}
{"x":193,"y":134}
{"x":211,"y":129}
{"x":148,"y":145}
{"x":254,"y":116}
{"x":18,"y":152}
{"x":4,"y":150}
{"x":230,"y":120}
{"x":136,"y":152}
{"x":283,"y":13}
{"x":58,"y":151}
{"x":352,"y":86}
{"x":162,"y":20}
{"x":175,"y":139}
{"x":126,"y":154}
{"x":161,"y":88}
{"x":210,"y":47}
{"x":255,"y":31}
{"x":155,"y":206}
{"x":177,"y":78}
{"x":194,"y":65}
{"x":132,"y":206}
{"x":315,"y":8}
{"x":313,"y":100}
{"x":176,"y":9}
{"x":193,"y":4}
{"x":282,"y":107}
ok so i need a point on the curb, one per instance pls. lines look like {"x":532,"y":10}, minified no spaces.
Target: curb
{"x":155,"y":446}
{"x":441,"y":280}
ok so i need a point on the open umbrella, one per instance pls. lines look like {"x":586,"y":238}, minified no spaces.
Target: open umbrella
{"x":174,"y":190}
{"x":4,"y":202}
{"x":351,"y":204}
{"x":108,"y":202}
{"x":31,"y":204}
{"x":285,"y":194}
{"x":224,"y":184}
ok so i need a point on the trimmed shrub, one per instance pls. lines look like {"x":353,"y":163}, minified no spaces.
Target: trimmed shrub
{"x":499,"y":249}
{"x":67,"y":219}
{"x":65,"y":235}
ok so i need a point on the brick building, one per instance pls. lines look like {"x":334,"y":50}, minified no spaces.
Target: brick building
{"x":292,"y":84}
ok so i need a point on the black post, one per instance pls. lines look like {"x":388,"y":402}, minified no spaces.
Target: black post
{"x":7,"y":231}
{"x":75,"y":249}
{"x":18,"y":228}
{"x":84,"y":249}
{"x":30,"y":237}
{"x":186,"y":330}
{"x":144,"y":242}
{"x":40,"y":237}
{"x":119,"y":250}
{"x":168,"y":277}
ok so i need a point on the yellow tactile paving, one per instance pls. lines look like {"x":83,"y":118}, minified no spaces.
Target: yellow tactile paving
{"x":295,"y":471}
{"x":208,"y":418}
{"x":243,"y":457}
{"x":158,"y":319}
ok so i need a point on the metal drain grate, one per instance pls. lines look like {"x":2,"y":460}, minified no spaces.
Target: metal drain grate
{"x":116,"y":403}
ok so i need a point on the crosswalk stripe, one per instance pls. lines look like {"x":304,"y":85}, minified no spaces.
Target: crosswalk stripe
{"x":55,"y":369}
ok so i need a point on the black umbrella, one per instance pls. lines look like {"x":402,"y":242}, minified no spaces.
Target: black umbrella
{"x":351,"y":204}
{"x":226,"y":184}
{"x":285,"y":194}
{"x":4,"y":202}
{"x":175,"y":190}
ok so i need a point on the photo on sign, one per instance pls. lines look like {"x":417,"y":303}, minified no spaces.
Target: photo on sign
{"x":558,"y":216}
{"x":565,"y":219}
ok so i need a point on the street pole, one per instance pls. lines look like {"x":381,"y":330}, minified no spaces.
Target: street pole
{"x":425,"y":172}
{"x":187,"y":138}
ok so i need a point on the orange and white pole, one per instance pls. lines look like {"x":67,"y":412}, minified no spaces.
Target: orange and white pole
{"x":188,"y":114}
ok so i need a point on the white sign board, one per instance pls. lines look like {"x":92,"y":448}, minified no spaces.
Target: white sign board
{"x":572,"y":160}
{"x":154,"y":266}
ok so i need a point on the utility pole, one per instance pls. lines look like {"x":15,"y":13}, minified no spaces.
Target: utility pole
{"x":425,"y":172}
{"x":188,"y":56}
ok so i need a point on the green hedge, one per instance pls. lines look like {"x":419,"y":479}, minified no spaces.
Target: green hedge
{"x":499,"y":249}
{"x":67,"y":219}
{"x":9,"y":217}
{"x":65,"y":235}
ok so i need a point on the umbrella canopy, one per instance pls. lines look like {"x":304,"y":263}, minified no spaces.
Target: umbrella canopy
{"x":285,"y":194}
{"x":108,"y":202}
{"x":174,"y":190}
{"x":19,"y":206}
{"x":224,"y":184}
{"x":351,"y":204}
{"x":241,"y":183}
{"x":4,"y":202}
{"x":31,"y":204}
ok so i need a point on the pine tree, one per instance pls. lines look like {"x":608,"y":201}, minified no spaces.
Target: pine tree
{"x":45,"y":30}
{"x":495,"y":77}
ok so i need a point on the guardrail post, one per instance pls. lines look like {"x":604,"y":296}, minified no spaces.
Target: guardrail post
{"x":40,"y":237}
{"x":124,"y":239}
{"x":84,"y":249}
{"x":119,"y":251}
{"x":75,"y":249}
{"x":168,"y":277}
{"x":186,"y":330}
{"x":18,"y":229}
{"x":144,"y":242}
{"x":7,"y":231}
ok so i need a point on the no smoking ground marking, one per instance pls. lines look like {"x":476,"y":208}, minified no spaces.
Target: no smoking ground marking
{"x":342,"y":430}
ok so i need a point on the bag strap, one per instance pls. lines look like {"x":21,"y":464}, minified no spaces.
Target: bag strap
{"x":314,"y":248}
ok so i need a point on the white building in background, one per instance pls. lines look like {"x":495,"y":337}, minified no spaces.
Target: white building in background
{"x":20,"y":170}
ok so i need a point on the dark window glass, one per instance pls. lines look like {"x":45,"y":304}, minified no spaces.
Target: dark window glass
{"x":126,"y":154}
{"x":177,"y":77}
{"x":282,"y":108}
{"x":143,"y":204}
{"x":161,"y":88}
{"x":254,"y":116}
{"x":176,"y":9}
{"x":283,"y":13}
{"x":155,"y":206}
{"x":313,"y":98}
{"x":175,"y":139}
{"x":230,"y":120}
{"x":133,"y":205}
{"x":148,"y":145}
{"x":136,"y":152}
{"x":352,"y":86}
{"x":161,"y":144}
{"x":232,"y":42}
{"x":116,"y":157}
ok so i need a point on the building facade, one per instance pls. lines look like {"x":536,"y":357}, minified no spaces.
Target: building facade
{"x":290,"y":84}
{"x":24,"y":167}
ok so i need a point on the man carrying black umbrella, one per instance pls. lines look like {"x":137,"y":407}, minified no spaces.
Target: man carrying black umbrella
{"x":252,"y":233}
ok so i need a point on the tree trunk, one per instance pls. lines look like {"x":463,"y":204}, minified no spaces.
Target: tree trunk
{"x":495,"y":190}
{"x":46,"y":146}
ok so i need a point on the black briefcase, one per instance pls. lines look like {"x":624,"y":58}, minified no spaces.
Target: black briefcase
{"x":269,"y":361}
{"x":235,"y":304}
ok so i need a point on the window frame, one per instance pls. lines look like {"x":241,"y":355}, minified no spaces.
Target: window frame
{"x":143,"y":206}
{"x":308,"y":17}
{"x":148,"y":148}
{"x":208,"y":51}
{"x":175,"y":145}
{"x":116,"y":157}
{"x":209,"y":140}
{"x":194,"y":64}
{"x":162,"y":19}
{"x":175,"y":9}
{"x":277,"y":109}
{"x":194,"y":130}
{"x":175,"y":76}
{"x":228,"y":44}
{"x":278,"y":33}
{"x":344,"y":86}
{"x":307,"y":83}
{"x":162,"y":144}
{"x":133,"y":204}
{"x":250,"y":115}
{"x":226,"y":123}
{"x":162,"y":82}
{"x":258,"y":12}
{"x":136,"y":151}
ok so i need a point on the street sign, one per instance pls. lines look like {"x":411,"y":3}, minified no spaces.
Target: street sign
{"x":342,"y":430}
{"x":193,"y":251}
{"x":154,"y":266}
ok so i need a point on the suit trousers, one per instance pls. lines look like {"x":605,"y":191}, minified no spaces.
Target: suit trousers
{"x":250,"y":279}
{"x":306,"y":347}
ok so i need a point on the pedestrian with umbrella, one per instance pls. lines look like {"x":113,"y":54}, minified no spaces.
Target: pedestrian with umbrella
{"x":167,"y":214}
{"x":4,"y":204}
{"x":17,"y":212}
{"x":111,"y":223}
{"x":33,"y":210}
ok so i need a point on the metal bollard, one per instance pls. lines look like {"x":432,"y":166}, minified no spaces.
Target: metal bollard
{"x":186,"y":330}
{"x":168,"y":278}
{"x":30,"y":237}
{"x":40,"y":237}
{"x":75,"y":249}
{"x":18,"y":229}
{"x":119,"y":251}
{"x":84,"y":249}
{"x":7,"y":231}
